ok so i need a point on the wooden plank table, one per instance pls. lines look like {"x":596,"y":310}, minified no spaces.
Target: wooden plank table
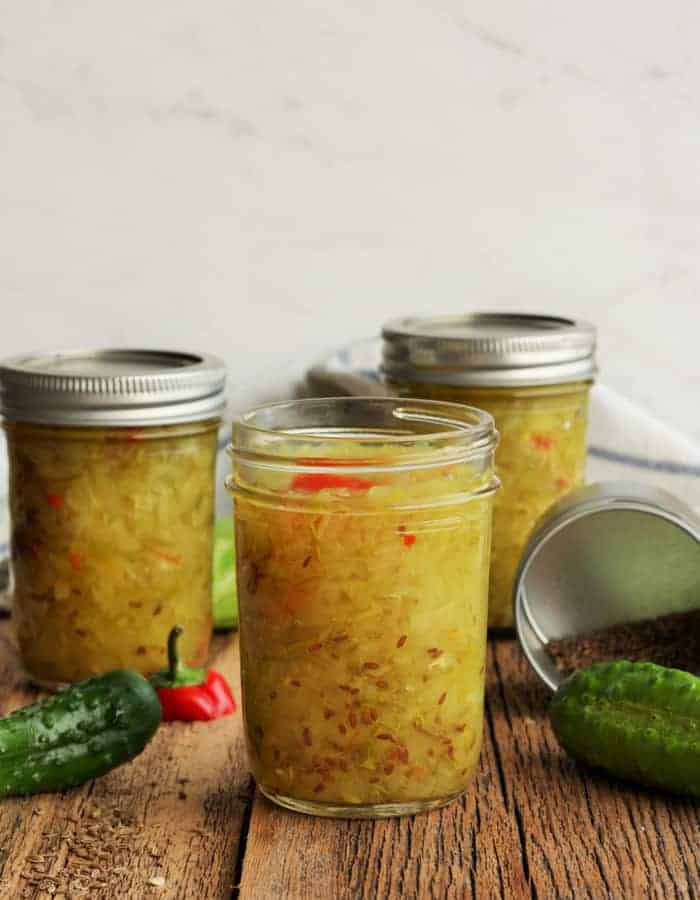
{"x":184,"y":821}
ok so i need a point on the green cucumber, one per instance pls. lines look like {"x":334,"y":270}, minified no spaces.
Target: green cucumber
{"x":77,"y":734}
{"x":637,"y":721}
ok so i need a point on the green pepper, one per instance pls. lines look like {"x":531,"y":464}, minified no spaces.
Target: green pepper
{"x":225,"y":598}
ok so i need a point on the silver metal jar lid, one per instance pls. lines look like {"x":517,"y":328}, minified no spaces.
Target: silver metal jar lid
{"x":112,"y":388}
{"x":606,"y":554}
{"x":489,"y":350}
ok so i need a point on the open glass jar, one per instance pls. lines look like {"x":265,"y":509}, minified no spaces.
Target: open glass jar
{"x":112,"y":459}
{"x":533,"y":374}
{"x":363,"y":531}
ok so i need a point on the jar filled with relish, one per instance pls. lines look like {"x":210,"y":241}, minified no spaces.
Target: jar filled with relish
{"x":112,"y":457}
{"x":363,"y":530}
{"x":533,"y":374}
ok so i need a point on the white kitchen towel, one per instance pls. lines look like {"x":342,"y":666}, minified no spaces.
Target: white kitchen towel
{"x":626,"y":443}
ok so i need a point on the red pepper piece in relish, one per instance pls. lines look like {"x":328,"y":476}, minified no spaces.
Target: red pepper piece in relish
{"x":75,"y":560}
{"x":310,"y":482}
{"x":55,"y":500}
{"x":541,"y":442}
{"x":408,"y":539}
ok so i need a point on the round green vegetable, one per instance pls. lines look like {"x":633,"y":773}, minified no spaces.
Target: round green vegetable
{"x":637,"y":721}
{"x":77,"y":734}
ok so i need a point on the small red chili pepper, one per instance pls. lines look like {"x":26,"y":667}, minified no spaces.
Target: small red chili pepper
{"x":311,"y":482}
{"x":408,"y":539}
{"x":191,"y":695}
{"x":541,"y":442}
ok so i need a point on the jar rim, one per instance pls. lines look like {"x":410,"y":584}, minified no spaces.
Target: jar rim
{"x":421,"y":430}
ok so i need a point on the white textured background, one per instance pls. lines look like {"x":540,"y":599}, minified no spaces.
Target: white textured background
{"x":270,"y":179}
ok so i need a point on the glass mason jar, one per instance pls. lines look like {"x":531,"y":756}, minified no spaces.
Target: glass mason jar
{"x":112,"y":458}
{"x":533,"y":374}
{"x":363,"y":531}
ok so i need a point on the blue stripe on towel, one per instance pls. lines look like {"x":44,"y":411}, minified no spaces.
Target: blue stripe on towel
{"x":639,"y":462}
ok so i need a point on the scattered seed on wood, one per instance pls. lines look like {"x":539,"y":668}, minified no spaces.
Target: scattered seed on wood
{"x":328,"y":713}
{"x":381,"y":683}
{"x":672,"y":640}
{"x":434,"y":652}
{"x":307,"y":737}
{"x":295,"y":683}
{"x":306,"y":562}
{"x":314,"y":647}
{"x":401,"y":641}
{"x":370,"y":665}
{"x":441,"y":699}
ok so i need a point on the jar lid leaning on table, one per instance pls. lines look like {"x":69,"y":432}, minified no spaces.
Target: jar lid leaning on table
{"x":533,"y":374}
{"x":112,"y":456}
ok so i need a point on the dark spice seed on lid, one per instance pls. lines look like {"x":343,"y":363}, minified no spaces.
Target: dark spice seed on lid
{"x":672,"y":640}
{"x":401,"y":641}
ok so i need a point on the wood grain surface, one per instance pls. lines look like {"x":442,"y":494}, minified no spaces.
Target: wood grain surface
{"x":184,"y":821}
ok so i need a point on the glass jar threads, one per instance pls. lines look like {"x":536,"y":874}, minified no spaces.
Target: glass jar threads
{"x":112,"y":459}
